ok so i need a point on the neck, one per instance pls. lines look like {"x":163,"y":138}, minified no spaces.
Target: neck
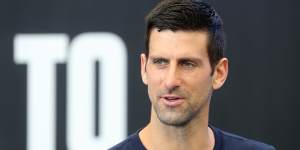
{"x":194,"y":135}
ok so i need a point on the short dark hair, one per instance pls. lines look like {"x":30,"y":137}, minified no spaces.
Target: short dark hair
{"x":188,"y":15}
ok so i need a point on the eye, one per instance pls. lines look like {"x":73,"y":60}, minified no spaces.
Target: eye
{"x":160,"y":61}
{"x":188,"y":64}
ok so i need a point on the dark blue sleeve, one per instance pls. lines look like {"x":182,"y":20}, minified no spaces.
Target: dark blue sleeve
{"x":234,"y":142}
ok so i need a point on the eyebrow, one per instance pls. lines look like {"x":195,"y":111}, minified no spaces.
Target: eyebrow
{"x":156,"y":57}
{"x":197,"y":60}
{"x":194,"y":59}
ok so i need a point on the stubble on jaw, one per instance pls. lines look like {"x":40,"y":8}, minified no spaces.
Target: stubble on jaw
{"x":180,"y":116}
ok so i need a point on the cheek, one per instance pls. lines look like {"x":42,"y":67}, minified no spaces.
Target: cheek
{"x":154,"y":77}
{"x":199,"y":85}
{"x":154,"y":82}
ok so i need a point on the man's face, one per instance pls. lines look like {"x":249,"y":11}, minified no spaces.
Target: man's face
{"x":178,"y":74}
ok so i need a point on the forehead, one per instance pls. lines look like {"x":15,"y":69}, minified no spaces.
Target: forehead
{"x":178,"y":43}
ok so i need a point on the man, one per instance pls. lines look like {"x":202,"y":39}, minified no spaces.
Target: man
{"x":183,"y":64}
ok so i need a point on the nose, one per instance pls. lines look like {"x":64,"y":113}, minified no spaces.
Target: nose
{"x":172,"y":79}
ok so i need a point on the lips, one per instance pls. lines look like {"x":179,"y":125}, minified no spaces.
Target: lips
{"x":172,"y":100}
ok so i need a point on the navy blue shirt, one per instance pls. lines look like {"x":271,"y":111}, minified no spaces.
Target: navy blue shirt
{"x":223,"y":141}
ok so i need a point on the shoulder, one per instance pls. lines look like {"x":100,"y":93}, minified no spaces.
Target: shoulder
{"x":234,"y":142}
{"x":132,"y":142}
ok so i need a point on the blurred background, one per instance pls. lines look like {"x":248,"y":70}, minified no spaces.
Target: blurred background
{"x":260,"y":99}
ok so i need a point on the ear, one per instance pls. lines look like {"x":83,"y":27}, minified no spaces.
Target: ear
{"x":220,"y":73}
{"x":143,"y":68}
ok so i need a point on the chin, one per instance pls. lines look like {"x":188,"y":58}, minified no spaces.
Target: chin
{"x":176,"y":119}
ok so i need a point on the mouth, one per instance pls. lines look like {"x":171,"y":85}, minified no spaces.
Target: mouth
{"x":172,"y":100}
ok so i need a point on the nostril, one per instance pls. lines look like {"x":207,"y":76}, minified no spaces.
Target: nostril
{"x":170,"y":84}
{"x":172,"y":79}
